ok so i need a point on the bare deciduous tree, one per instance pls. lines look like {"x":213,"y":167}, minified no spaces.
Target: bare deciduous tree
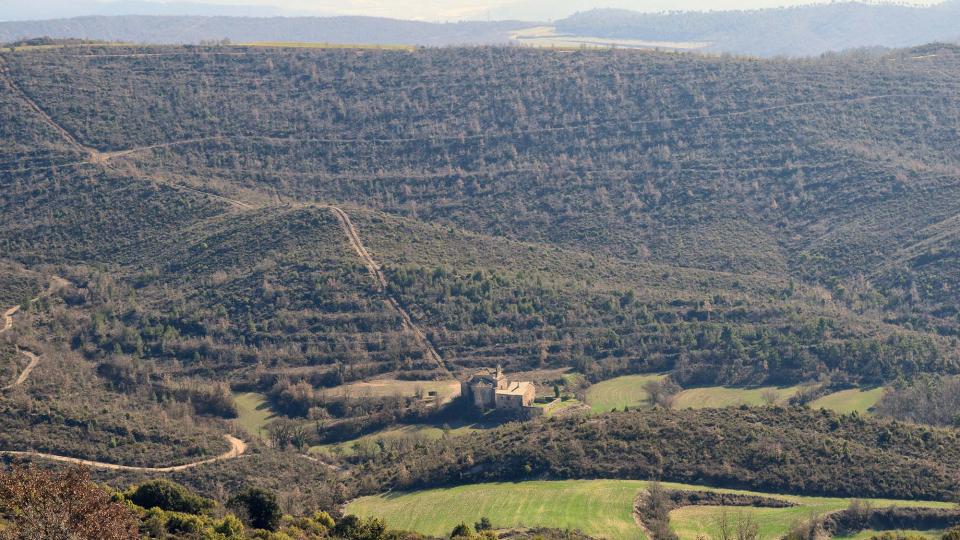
{"x":61,"y":506}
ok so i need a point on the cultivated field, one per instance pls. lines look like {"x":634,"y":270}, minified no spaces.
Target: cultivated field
{"x":628,"y":391}
{"x":722,"y":396}
{"x":620,"y":392}
{"x":254,"y":412}
{"x":848,"y":401}
{"x":600,"y":508}
{"x":547,"y":36}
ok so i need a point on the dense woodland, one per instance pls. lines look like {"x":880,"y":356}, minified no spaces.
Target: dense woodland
{"x":724,"y":220}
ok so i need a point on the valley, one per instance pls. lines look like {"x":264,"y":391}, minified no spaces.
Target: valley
{"x":281,"y":283}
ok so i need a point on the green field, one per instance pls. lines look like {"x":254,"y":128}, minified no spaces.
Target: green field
{"x":692,"y":521}
{"x":424,"y":431}
{"x":597,"y":507}
{"x":562,"y":407}
{"x":600,"y":508}
{"x":255,"y":412}
{"x":620,"y":392}
{"x":628,"y":390}
{"x":722,"y":396}
{"x":848,"y":401}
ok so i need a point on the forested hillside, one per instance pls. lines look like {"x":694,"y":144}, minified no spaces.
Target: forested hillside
{"x":773,"y":450}
{"x":196,"y":222}
{"x":811,"y":181}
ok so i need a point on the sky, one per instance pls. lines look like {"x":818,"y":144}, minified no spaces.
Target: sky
{"x":499,"y":9}
{"x":426,"y":10}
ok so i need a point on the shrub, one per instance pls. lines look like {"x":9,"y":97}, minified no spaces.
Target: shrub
{"x":260,"y":508}
{"x":170,"y":496}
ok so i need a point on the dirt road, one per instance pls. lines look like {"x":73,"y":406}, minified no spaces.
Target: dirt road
{"x":381,"y":282}
{"x":237,"y":449}
{"x":55,"y":284}
{"x":34,"y":360}
{"x":8,"y":318}
{"x":237,"y":446}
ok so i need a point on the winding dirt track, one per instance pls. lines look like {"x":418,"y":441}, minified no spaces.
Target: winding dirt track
{"x":8,"y":318}
{"x":237,"y":449}
{"x":55,"y":283}
{"x":381,"y":282}
{"x":34,"y":360}
{"x":237,"y":446}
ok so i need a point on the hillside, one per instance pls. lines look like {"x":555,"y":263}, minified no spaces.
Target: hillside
{"x":756,"y":226}
{"x":289,"y":224}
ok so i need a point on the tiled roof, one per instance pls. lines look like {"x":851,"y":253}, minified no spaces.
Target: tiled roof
{"x":517,"y":389}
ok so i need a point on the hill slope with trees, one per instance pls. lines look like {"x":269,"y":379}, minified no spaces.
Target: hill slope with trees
{"x":724,"y":220}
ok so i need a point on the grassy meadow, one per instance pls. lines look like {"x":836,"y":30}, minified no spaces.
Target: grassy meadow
{"x":628,"y":391}
{"x":599,"y":508}
{"x":619,"y":392}
{"x":723,"y":396}
{"x":254,"y":412}
{"x":848,"y":401}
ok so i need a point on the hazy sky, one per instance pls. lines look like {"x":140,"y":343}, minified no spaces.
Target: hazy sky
{"x":481,"y":9}
{"x":429,"y":10}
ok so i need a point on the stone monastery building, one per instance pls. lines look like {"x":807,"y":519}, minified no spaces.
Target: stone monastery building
{"x":489,"y":389}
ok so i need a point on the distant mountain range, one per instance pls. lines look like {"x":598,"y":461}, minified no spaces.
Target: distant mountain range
{"x":799,"y":31}
{"x":194,"y":29}
{"x":25,"y":10}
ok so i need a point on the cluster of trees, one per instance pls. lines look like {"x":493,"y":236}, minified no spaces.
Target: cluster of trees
{"x":768,"y":449}
{"x":45,"y":504}
{"x":716,"y":340}
{"x":927,"y":400}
